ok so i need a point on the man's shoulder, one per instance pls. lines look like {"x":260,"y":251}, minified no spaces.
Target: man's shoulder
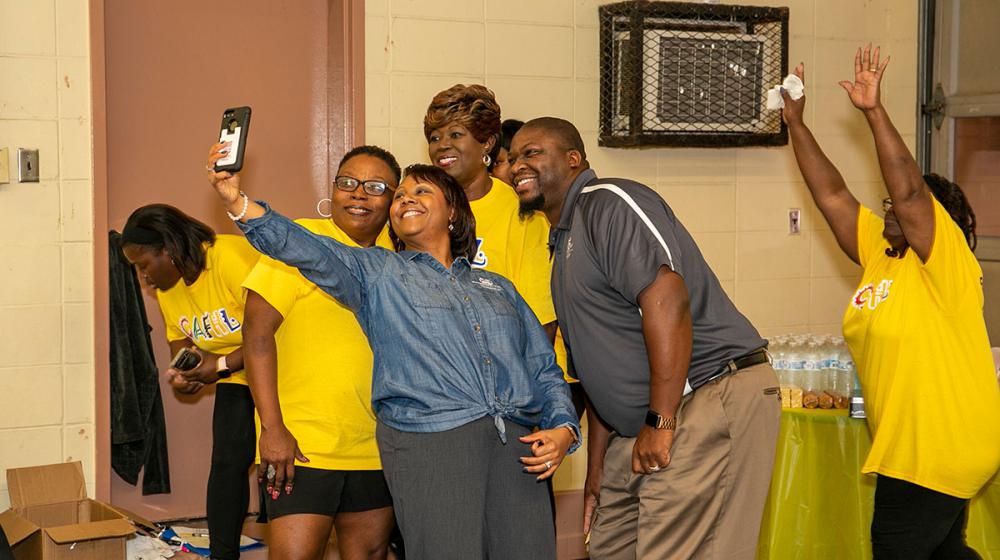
{"x":607,"y":196}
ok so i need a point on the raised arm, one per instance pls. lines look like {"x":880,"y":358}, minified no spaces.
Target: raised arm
{"x":337,"y":269}
{"x":827,"y":186}
{"x":911,"y":200}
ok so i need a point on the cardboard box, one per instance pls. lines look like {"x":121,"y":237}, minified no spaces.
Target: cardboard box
{"x":51,"y":517}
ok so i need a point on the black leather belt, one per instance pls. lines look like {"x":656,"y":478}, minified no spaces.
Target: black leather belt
{"x":751,"y":359}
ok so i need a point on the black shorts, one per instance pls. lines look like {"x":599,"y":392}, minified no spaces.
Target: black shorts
{"x":329,"y":492}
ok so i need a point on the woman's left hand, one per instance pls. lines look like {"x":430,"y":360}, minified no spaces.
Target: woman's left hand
{"x":868,"y":69}
{"x":548,"y":448}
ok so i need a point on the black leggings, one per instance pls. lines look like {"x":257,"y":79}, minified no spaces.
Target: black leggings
{"x":915,"y":523}
{"x":233,"y":444}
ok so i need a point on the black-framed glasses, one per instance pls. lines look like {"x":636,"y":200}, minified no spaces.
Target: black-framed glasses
{"x":886,"y":204}
{"x":372,"y":187}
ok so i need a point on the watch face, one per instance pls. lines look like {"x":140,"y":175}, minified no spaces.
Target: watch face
{"x":654,"y":420}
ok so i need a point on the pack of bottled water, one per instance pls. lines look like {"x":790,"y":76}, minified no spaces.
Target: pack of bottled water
{"x":816,"y":371}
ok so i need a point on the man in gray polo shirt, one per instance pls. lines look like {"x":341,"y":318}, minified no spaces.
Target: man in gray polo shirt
{"x":687,"y":406}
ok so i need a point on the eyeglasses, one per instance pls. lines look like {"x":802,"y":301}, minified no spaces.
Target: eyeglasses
{"x":886,"y":204}
{"x":350,"y":184}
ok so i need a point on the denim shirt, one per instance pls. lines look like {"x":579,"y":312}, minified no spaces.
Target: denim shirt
{"x":450,"y":345}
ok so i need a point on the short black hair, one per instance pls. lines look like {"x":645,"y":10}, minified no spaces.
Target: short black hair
{"x":953,"y":200}
{"x":376,"y":152}
{"x":508,"y":129}
{"x":162,"y":227}
{"x":562,"y":129}
{"x":463,"y":235}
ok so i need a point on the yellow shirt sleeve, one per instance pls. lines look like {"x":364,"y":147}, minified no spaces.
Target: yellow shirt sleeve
{"x":870,"y":237}
{"x":235,"y":258}
{"x":279,"y":284}
{"x":951,"y":266}
{"x":174,"y":332}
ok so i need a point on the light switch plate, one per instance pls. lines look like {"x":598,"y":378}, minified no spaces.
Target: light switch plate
{"x":794,"y":221}
{"x":4,"y":166}
{"x":27,"y":165}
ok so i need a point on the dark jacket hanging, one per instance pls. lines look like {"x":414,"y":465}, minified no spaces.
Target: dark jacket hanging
{"x":138,"y":429}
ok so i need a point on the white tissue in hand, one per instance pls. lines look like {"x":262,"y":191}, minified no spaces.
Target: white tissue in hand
{"x":792,"y":84}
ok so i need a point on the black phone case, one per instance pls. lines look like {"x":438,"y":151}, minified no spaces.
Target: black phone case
{"x":242,"y":116}
{"x":185,"y":360}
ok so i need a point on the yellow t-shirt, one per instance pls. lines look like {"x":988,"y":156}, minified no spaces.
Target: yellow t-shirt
{"x":517,"y":250}
{"x":324,"y":364}
{"x":209,"y":312}
{"x":918,"y":337}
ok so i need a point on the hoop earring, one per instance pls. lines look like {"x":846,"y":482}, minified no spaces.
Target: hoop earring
{"x":487,"y":160}
{"x":320,"y":203}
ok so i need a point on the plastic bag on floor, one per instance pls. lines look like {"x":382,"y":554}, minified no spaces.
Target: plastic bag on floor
{"x":196,"y":540}
{"x":142,"y":547}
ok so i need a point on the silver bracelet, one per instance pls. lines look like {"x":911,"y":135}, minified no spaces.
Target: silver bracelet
{"x":246,"y":204}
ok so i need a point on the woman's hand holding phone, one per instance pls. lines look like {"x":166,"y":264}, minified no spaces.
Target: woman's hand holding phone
{"x":226,"y":184}
{"x":180,"y":384}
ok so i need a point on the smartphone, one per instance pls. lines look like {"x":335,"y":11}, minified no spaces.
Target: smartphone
{"x":185,"y":359}
{"x":234,"y":129}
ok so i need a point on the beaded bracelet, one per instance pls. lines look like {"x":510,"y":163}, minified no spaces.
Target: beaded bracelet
{"x":246,"y":204}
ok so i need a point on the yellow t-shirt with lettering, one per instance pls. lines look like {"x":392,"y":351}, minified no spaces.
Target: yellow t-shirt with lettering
{"x":518,"y":250}
{"x":324,"y":364}
{"x":918,"y":338}
{"x":209,"y":312}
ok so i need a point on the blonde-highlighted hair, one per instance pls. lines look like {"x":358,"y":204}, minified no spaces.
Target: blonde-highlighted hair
{"x":472,"y":106}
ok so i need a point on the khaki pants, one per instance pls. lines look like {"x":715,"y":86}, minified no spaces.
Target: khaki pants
{"x":707,"y":504}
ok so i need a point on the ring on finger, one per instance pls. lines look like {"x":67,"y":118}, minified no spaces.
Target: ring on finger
{"x":271,"y":471}
{"x":548,"y":464}
{"x":654,"y":468}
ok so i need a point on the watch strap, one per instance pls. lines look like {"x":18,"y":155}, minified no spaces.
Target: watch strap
{"x":222,"y":368}
{"x":659,"y":422}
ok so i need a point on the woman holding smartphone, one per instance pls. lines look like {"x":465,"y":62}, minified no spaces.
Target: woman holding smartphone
{"x":198,"y":278}
{"x":463,"y":370}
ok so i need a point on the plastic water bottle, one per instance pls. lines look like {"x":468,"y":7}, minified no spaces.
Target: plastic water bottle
{"x":843,"y":378}
{"x":793,"y":372}
{"x":828,"y":363}
{"x":776,"y":347}
{"x":812,"y":375}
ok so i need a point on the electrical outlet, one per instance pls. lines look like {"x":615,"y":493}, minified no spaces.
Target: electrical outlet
{"x":4,"y":166}
{"x":27,"y":165}
{"x":794,"y":221}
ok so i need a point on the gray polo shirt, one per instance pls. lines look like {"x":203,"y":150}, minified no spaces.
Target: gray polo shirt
{"x":612,"y":238}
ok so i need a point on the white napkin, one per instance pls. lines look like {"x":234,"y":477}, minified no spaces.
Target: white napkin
{"x":792,"y":84}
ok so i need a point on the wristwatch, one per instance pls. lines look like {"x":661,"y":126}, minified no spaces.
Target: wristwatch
{"x":654,"y":420}
{"x":221,"y":369}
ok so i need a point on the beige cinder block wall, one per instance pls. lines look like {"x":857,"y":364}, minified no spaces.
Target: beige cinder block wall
{"x":541,"y":58}
{"x":46,"y":239}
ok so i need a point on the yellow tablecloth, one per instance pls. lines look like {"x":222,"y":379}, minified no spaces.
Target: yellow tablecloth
{"x":820,"y":504}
